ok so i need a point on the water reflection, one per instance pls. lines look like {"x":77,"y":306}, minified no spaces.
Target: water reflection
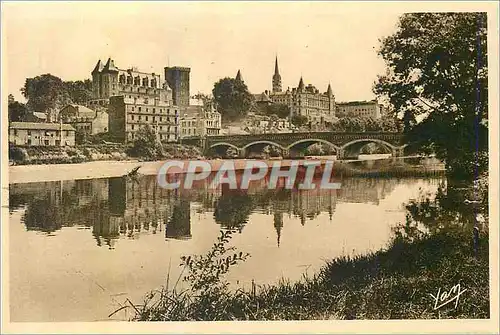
{"x":117,"y":208}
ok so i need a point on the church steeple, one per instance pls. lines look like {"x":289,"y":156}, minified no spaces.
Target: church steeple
{"x":329,"y":91}
{"x":276,"y":78}
{"x":239,"y":77}
{"x":301,"y":84}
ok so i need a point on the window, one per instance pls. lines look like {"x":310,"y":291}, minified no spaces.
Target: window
{"x":147,"y":109}
{"x":132,"y":117}
{"x":132,"y":111}
{"x":67,"y":133}
{"x":146,"y":118}
{"x":29,"y":132}
{"x":46,"y":142}
{"x":154,"y":111}
{"x":15,"y":132}
{"x":29,"y":141}
{"x":132,"y":127}
{"x":139,"y":118}
{"x":139,"y":111}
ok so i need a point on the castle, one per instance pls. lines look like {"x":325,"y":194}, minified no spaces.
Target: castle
{"x":134,"y":99}
{"x":306,"y":101}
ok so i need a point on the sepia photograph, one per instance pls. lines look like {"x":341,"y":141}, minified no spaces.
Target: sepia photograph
{"x":282,"y":167}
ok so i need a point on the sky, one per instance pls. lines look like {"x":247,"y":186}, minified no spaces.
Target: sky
{"x":323,"y":42}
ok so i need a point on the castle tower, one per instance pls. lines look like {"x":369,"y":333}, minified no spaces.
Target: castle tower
{"x":276,"y":78}
{"x":109,"y":77}
{"x":96,"y":80}
{"x":178,"y":80}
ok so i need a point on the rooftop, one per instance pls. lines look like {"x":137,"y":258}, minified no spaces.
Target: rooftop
{"x":81,"y":110}
{"x":357,"y":103}
{"x":40,"y":126}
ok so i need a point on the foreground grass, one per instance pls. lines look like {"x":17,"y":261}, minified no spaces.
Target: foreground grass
{"x":391,"y":284}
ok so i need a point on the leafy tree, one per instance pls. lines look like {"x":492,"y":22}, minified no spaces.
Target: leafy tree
{"x":315,"y":149}
{"x":437,"y":81}
{"x":45,"y":92}
{"x":17,"y":110}
{"x":232,"y":98}
{"x":371,"y":124}
{"x":350,"y":124}
{"x":281,"y":110}
{"x":146,"y":144}
{"x":79,"y":91}
{"x":299,"y":120}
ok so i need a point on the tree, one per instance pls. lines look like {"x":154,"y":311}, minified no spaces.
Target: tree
{"x":232,"y":98}
{"x":350,"y":124}
{"x":79,"y":91}
{"x":281,"y":110}
{"x":437,"y":81}
{"x":299,"y":120}
{"x":146,"y":144}
{"x":17,"y":110}
{"x":315,"y":149}
{"x":45,"y":92}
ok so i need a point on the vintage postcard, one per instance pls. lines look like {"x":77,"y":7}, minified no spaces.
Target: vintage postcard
{"x":250,"y":167}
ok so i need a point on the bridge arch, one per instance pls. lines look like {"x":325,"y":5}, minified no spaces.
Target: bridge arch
{"x":264,"y":142}
{"x":224,"y":144}
{"x":313,"y":141}
{"x":368,"y":140}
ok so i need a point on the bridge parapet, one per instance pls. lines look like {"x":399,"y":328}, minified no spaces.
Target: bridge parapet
{"x":288,"y":140}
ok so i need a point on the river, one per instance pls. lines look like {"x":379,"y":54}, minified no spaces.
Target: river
{"x":80,"y":248}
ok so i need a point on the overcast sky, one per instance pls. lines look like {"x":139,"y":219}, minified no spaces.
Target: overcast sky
{"x":324,"y":42}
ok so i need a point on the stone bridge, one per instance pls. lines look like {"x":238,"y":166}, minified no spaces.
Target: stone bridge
{"x":346,"y":145}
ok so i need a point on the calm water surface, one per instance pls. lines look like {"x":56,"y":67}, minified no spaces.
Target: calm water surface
{"x":79,"y":248}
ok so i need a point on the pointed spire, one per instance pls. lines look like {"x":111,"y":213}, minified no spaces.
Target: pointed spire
{"x":98,"y":67}
{"x":301,"y":84}
{"x":329,"y":90}
{"x":239,"y":77}
{"x":276,"y":69}
{"x":110,"y":66}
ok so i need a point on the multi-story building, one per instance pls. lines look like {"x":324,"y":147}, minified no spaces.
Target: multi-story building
{"x":128,"y":115}
{"x":84,"y":119}
{"x":41,"y":134}
{"x":109,"y":80}
{"x":309,"y":102}
{"x":178,"y":79}
{"x":135,"y":99}
{"x":363,"y":109}
{"x":200,"y":120}
{"x":303,"y":100}
{"x":259,"y":124}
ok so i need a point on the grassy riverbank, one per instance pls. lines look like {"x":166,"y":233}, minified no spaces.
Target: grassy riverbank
{"x":393,"y":284}
{"x":92,"y":153}
{"x":434,"y":251}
